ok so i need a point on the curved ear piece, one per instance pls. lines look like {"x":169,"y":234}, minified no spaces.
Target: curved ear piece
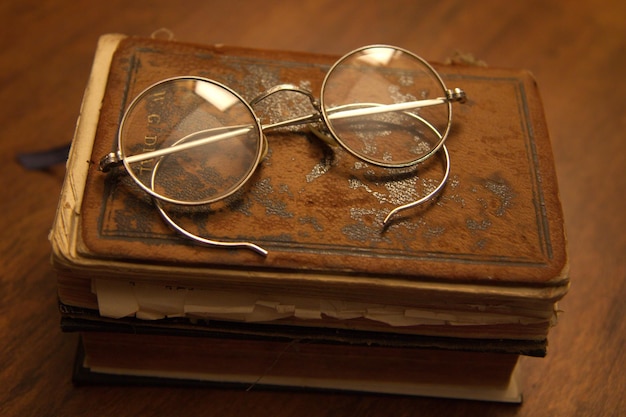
{"x":429,"y":196}
{"x":207,"y":242}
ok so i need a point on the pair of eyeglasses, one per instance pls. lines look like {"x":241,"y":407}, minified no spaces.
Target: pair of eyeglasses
{"x":194,"y":141}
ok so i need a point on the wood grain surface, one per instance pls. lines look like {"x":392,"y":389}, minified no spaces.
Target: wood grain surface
{"x":577,"y":52}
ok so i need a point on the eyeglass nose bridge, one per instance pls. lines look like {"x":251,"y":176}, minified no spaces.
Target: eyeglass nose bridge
{"x":316,"y":116}
{"x":286,"y":87}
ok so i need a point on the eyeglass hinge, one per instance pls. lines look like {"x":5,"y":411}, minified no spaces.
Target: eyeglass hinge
{"x":456,"y":95}
{"x":109,"y":161}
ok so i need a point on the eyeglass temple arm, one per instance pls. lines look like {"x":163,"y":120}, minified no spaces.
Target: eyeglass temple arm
{"x":427,"y":197}
{"x":215,"y":243}
{"x":263,"y":252}
{"x":115,"y":158}
{"x":451,"y":96}
{"x":188,"y":142}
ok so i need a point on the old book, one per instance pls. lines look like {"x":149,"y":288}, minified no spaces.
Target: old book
{"x":486,"y":260}
{"x":146,"y":354}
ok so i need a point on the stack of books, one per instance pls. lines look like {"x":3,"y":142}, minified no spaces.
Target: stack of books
{"x":441,"y":302}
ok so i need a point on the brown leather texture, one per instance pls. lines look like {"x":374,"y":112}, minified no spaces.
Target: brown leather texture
{"x":316,"y":208}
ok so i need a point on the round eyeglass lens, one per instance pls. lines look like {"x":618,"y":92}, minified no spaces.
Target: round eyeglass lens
{"x":190,"y":141}
{"x":386,"y":106}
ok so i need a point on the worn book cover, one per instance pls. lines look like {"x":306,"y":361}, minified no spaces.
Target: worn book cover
{"x":242,"y":356}
{"x":271,"y":363}
{"x":489,"y":251}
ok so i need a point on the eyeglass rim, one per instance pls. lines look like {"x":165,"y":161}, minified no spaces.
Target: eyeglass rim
{"x":337,"y":137}
{"x":222,"y":196}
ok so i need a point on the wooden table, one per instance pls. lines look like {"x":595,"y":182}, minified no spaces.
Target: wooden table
{"x":577,"y":51}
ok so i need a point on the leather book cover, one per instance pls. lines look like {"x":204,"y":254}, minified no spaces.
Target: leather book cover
{"x":317,"y":208}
